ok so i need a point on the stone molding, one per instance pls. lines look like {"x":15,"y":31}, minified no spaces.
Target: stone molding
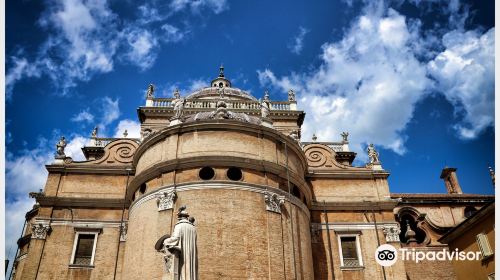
{"x":348,"y":226}
{"x":391,"y":233}
{"x":262,"y":189}
{"x":91,"y":224}
{"x":354,"y":205}
{"x":273,"y":202}
{"x":51,"y":201}
{"x":40,"y":231}
{"x":165,"y":200}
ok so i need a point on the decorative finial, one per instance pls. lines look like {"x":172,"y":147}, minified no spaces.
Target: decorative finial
{"x":221,"y":71}
{"x":344,"y":136}
{"x":373,"y":154}
{"x":410,"y":234}
{"x":150,"y":92}
{"x":314,"y":137}
{"x":125,"y":134}
{"x":94,"y":132}
{"x":291,"y":95}
{"x":60,"y":148}
{"x":492,"y":174}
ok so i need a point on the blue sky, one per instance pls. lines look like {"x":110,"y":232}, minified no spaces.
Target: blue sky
{"x":416,"y":78}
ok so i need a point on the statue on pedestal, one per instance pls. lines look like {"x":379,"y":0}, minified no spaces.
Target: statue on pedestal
{"x":373,"y":155}
{"x":60,"y":148}
{"x":178,"y":103}
{"x":265,"y":106}
{"x":180,"y":249}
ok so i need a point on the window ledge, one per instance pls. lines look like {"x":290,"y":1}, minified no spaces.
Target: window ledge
{"x":352,"y":267}
{"x":81,"y":266}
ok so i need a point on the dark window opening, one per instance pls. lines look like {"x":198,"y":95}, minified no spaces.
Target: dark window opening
{"x":234,"y":173}
{"x":207,"y":173}
{"x":420,"y":235}
{"x":142,"y":189}
{"x":349,"y":251}
{"x":296,"y":191}
{"x":84,"y":249}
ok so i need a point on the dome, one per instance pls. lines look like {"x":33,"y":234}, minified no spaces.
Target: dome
{"x":218,"y":84}
{"x":213,"y":92}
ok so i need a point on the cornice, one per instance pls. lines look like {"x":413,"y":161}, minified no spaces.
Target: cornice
{"x":347,"y":174}
{"x":353,"y":205}
{"x":55,"y":201}
{"x":86,"y":168}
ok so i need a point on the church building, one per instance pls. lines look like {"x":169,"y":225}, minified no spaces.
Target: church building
{"x":265,"y":203}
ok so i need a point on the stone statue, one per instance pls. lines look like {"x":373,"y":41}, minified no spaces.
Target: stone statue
{"x":94,"y":132}
{"x":150,"y":92}
{"x":373,"y":155}
{"x":265,"y":106}
{"x":344,"y":136}
{"x":60,"y":148}
{"x":291,"y":95}
{"x":314,"y":137}
{"x":178,"y":103}
{"x":220,"y":90}
{"x":125,"y":134}
{"x":182,"y":243}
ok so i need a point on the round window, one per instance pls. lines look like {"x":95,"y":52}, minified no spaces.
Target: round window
{"x":207,"y":173}
{"x":234,"y":174}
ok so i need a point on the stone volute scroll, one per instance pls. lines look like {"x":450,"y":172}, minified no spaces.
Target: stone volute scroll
{"x":179,"y":249}
{"x":165,"y":200}
{"x":273,"y":202}
{"x":391,"y":233}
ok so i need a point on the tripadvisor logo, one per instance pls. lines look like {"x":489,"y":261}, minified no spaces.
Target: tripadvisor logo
{"x":387,"y":255}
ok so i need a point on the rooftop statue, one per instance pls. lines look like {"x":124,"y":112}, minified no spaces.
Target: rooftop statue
{"x":60,"y":148}
{"x":178,"y":104}
{"x":344,"y":136}
{"x":265,"y":106}
{"x":373,"y":155}
{"x":150,"y":92}
{"x":94,"y":132}
{"x":291,"y":95}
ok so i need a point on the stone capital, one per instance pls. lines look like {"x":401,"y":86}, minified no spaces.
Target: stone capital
{"x":40,"y":231}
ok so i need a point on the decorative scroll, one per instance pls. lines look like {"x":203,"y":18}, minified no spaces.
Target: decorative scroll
{"x":119,"y":151}
{"x":39,"y":231}
{"x":274,"y":202}
{"x":321,"y":156}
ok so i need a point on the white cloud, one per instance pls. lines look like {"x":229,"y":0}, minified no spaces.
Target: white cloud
{"x":142,"y":47}
{"x":196,"y":6}
{"x":172,"y":33}
{"x":465,"y":73}
{"x":21,"y":68}
{"x":110,"y":111}
{"x":133,"y":129}
{"x":298,"y":41}
{"x":83,"y":116}
{"x":361,"y":78}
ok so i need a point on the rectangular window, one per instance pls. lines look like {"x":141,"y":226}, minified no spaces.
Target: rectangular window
{"x":350,"y":251}
{"x":484,"y":245}
{"x":84,"y":249}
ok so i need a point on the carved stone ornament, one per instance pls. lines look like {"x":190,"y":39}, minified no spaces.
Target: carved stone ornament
{"x":391,"y":233}
{"x":373,"y":154}
{"x":274,"y":202}
{"x":39,"y":231}
{"x":150,"y":91}
{"x":166,"y":200}
{"x":123,"y":232}
{"x":291,"y":95}
{"x":118,"y":152}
